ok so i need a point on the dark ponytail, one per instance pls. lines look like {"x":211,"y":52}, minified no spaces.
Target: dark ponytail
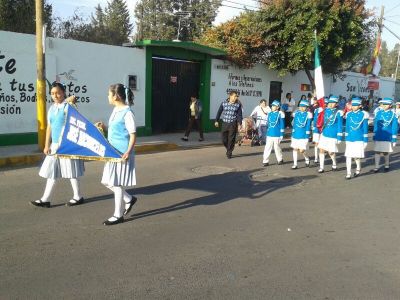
{"x":124,"y":94}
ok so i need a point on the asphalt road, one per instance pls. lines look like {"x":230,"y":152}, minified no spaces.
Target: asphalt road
{"x":206,"y":227}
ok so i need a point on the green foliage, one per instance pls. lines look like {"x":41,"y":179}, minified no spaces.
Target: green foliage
{"x":160,"y":20}
{"x":388,"y":60}
{"x":286,"y":30}
{"x":19,"y":16}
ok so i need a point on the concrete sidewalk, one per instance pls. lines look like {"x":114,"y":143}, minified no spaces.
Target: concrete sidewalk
{"x":24,"y":155}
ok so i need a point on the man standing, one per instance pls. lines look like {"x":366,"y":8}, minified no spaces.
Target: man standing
{"x":288,"y":106}
{"x":230,"y":112}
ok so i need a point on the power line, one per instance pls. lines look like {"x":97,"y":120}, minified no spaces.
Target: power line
{"x":241,"y":8}
{"x":244,"y":5}
{"x":392,"y":22}
{"x":394,"y":7}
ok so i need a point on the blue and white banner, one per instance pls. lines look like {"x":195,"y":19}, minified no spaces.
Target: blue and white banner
{"x":81,"y":139}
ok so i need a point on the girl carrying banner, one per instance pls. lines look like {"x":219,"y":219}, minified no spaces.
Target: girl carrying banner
{"x":385,"y":132}
{"x":331,"y":133}
{"x":122,"y":136}
{"x":356,"y":136}
{"x":54,"y":167}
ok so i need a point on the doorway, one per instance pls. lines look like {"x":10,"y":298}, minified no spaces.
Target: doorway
{"x":174,"y":81}
{"x":275,"y":91}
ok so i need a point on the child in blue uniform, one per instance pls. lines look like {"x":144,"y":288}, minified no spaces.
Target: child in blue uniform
{"x":301,"y":132}
{"x":316,"y":134}
{"x":275,"y":131}
{"x":356,"y":136}
{"x":385,"y":132}
{"x":332,"y":133}
{"x":122,"y":136}
{"x":54,"y":167}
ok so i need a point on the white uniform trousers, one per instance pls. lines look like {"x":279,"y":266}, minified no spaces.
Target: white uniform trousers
{"x":272,"y":142}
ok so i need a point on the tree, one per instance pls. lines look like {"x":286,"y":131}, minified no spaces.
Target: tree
{"x":19,"y":16}
{"x":117,"y":23}
{"x":286,"y":29}
{"x":110,"y":26}
{"x":388,"y":60}
{"x":160,"y":20}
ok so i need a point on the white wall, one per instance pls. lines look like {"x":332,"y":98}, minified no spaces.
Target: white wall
{"x":86,"y":68}
{"x":225,"y":77}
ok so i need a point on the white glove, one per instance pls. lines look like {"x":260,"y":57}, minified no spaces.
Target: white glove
{"x":394,"y":144}
{"x":365,"y":145}
{"x":338,"y":142}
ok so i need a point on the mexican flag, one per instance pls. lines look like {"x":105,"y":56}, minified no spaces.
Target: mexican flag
{"x":319,"y":82}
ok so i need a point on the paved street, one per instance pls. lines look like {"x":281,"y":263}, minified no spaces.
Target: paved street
{"x":206,"y":227}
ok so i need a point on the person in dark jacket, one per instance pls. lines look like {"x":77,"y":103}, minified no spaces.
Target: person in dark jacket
{"x":230,"y":112}
{"x":195,"y":109}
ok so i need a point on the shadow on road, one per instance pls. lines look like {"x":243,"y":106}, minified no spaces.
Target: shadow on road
{"x":223,"y":188}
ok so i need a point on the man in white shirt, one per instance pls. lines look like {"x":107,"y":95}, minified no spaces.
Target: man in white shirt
{"x":288,"y":106}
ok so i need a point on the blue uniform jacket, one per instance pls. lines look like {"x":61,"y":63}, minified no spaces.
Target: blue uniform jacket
{"x":333,"y":124}
{"x":301,"y":125}
{"x":357,"y":126}
{"x":276,"y":124}
{"x":385,"y":126}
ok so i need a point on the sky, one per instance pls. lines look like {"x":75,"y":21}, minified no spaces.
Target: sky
{"x":66,"y":8}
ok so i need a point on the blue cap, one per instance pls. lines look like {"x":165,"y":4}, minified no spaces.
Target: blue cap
{"x":276,"y":103}
{"x":326,"y":99}
{"x":356,"y":101}
{"x":333,"y":99}
{"x":303,"y":103}
{"x":386,"y":101}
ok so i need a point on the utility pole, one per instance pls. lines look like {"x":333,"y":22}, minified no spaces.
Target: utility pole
{"x":40,"y":81}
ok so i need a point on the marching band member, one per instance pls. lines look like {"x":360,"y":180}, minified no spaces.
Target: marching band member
{"x":301,"y":132}
{"x":331,"y":134}
{"x":356,"y":135}
{"x":316,"y":133}
{"x":275,"y":131}
{"x":385,"y":132}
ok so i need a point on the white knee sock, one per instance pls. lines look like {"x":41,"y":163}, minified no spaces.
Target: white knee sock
{"x":306,"y":158}
{"x":333,"y":157}
{"x":348,"y":165}
{"x":75,"y":188}
{"x":315,"y":153}
{"x":358,"y":164}
{"x":377,"y":160}
{"x":387,"y":160}
{"x":48,"y":190}
{"x":321,"y":160}
{"x":127,"y":198}
{"x":295,"y":157}
{"x":118,"y":197}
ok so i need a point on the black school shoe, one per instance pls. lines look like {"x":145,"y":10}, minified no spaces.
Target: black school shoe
{"x":40,"y":203}
{"x":117,"y":221}
{"x":131,"y":204}
{"x":76,"y":202}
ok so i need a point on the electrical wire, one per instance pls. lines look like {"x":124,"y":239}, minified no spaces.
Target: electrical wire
{"x":244,"y":5}
{"x":241,"y":8}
